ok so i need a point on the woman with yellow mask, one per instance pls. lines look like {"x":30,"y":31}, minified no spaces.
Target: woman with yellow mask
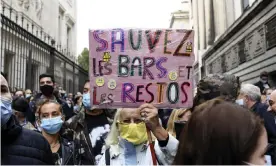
{"x":127,"y":142}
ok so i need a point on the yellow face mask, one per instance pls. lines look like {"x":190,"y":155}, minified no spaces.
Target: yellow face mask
{"x":134,"y":133}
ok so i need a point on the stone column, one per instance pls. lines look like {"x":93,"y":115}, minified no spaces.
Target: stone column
{"x":237,"y":8}
{"x":209,"y":16}
{"x":194,"y":21}
{"x":219,"y":17}
{"x":201,"y":24}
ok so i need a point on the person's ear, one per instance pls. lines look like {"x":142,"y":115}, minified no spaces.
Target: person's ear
{"x":63,"y":118}
{"x":246,"y":98}
{"x":39,"y":121}
{"x":16,"y":113}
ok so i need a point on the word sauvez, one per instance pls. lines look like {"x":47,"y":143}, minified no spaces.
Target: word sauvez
{"x":152,"y":41}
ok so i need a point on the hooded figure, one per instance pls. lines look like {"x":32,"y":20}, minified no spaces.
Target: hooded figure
{"x":22,"y":112}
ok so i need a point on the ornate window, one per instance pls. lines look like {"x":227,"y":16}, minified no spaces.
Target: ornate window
{"x":271,"y":33}
{"x":241,"y":53}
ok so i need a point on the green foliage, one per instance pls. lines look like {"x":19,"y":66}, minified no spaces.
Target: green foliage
{"x":83,"y":59}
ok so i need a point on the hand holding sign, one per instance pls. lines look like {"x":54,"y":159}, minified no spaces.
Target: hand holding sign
{"x":150,"y":115}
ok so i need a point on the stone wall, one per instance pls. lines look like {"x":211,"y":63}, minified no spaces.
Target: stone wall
{"x":246,"y":52}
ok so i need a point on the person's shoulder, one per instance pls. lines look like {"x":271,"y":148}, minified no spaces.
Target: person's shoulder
{"x":258,"y":83}
{"x":263,"y":106}
{"x":32,"y":134}
{"x":33,"y":139}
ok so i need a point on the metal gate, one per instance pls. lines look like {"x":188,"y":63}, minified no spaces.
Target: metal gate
{"x":27,"y":51}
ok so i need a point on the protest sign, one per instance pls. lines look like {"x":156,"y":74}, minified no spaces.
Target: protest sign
{"x":129,"y":67}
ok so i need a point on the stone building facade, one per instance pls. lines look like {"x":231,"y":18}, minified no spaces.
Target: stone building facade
{"x":181,"y":19}
{"x":34,"y":32}
{"x":235,"y":37}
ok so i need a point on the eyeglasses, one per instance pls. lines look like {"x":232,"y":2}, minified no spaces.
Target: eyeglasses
{"x":271,"y":102}
{"x":136,"y":121}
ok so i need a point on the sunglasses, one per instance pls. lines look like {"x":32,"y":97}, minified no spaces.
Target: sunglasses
{"x":271,"y":102}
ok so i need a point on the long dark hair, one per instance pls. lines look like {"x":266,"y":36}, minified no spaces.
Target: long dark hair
{"x":219,"y":133}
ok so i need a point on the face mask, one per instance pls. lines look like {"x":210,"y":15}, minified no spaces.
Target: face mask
{"x":51,"y":125}
{"x":240,"y":102}
{"x":6,"y":111}
{"x":28,"y":95}
{"x":264,"y":81}
{"x":86,"y":101}
{"x":76,"y":108}
{"x":47,"y":90}
{"x":267,"y":97}
{"x":134,"y":133}
{"x":24,"y":123}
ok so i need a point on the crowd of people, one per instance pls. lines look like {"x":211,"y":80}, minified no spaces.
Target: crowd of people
{"x":229,"y":123}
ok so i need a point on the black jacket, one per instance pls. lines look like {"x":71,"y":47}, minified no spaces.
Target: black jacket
{"x":20,"y":146}
{"x":261,"y":86}
{"x":81,"y":138}
{"x":269,"y":121}
{"x":70,"y":155}
{"x":68,"y":152}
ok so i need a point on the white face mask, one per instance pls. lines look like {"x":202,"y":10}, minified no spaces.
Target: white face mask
{"x":240,"y":102}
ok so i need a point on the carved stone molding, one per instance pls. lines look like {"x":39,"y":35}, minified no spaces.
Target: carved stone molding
{"x":217,"y":65}
{"x":34,"y":5}
{"x":255,"y":44}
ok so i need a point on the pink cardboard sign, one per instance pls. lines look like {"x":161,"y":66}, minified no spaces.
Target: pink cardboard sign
{"x":129,"y":67}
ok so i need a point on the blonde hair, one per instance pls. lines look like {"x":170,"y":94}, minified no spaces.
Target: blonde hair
{"x":113,"y":136}
{"x":175,"y":116}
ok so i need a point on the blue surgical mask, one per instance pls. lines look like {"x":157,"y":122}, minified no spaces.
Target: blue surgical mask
{"x":86,"y":101}
{"x":28,"y":95}
{"x":51,"y":125}
{"x":6,"y":111}
{"x":240,"y":102}
{"x":76,"y":108}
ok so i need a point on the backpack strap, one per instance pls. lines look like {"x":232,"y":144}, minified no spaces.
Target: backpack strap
{"x":107,"y":156}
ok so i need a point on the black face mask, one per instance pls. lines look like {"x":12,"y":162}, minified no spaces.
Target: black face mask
{"x":178,"y":127}
{"x":47,"y":90}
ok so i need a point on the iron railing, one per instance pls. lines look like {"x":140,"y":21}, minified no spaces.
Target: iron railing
{"x":27,"y":51}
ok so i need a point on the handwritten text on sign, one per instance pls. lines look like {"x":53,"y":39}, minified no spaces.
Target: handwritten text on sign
{"x":129,"y":67}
